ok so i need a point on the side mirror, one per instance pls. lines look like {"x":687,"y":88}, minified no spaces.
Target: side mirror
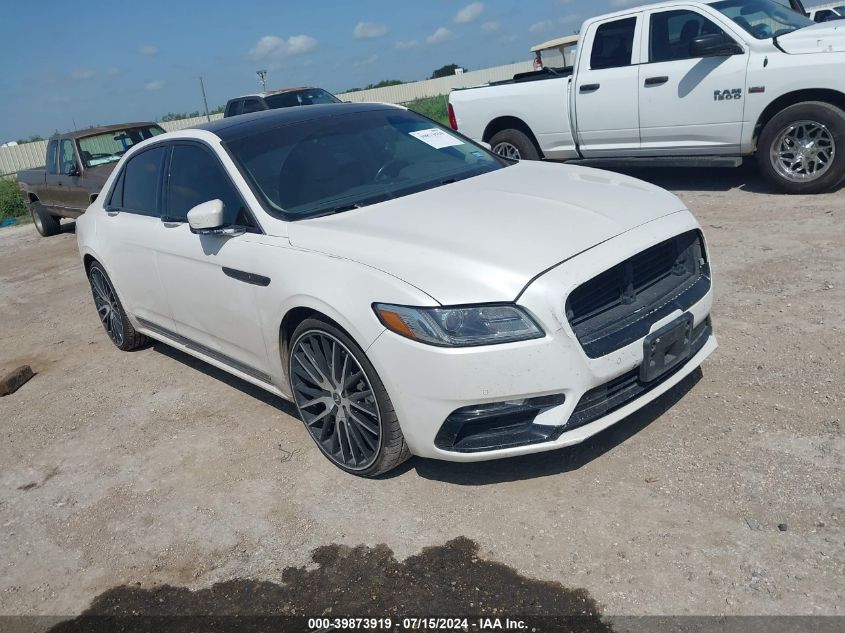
{"x":714,"y":45}
{"x":207,"y":219}
{"x":73,"y":171}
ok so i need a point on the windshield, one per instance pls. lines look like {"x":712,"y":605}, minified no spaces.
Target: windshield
{"x":763,"y":19}
{"x":333,"y":164}
{"x":309,"y":96}
{"x":110,"y":146}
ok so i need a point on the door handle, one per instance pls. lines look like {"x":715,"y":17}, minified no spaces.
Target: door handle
{"x":656,"y":81}
{"x":589,"y":87}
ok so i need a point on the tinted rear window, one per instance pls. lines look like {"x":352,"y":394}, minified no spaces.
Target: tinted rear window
{"x":141,"y":183}
{"x":614,"y":44}
{"x":310,"y":96}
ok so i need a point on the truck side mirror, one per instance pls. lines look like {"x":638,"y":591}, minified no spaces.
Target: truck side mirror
{"x":714,"y":45}
{"x":73,"y":170}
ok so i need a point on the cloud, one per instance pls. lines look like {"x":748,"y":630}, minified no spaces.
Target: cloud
{"x":544,"y":25}
{"x":490,"y":27}
{"x":272,"y":47}
{"x":369,"y":30}
{"x":82,"y":74}
{"x":405,"y":44}
{"x":442,"y":34}
{"x":367,"y":61}
{"x":152,"y":86}
{"x":469,"y":13}
{"x":149,"y":50}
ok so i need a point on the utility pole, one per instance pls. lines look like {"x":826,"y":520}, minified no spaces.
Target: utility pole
{"x":204,"y":100}
{"x":262,"y":77}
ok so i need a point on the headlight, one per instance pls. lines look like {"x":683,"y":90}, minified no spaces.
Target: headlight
{"x":460,"y":327}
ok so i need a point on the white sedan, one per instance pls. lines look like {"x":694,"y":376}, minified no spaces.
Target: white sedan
{"x":411,"y":292}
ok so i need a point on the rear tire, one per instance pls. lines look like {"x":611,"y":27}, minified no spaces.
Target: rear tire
{"x":514,"y":145}
{"x":45,"y":224}
{"x":342,"y":401}
{"x":802,"y":148}
{"x":111,"y":312}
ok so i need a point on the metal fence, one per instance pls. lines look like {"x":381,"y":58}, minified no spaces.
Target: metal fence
{"x":31,"y":155}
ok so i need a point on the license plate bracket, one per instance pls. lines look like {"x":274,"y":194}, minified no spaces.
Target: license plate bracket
{"x":666,"y":348}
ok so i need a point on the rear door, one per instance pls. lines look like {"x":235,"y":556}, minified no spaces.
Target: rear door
{"x":606,"y":108}
{"x":689,"y":105}
{"x":132,"y":230}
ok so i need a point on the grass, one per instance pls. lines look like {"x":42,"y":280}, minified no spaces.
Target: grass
{"x":11,"y":202}
{"x":432,"y":107}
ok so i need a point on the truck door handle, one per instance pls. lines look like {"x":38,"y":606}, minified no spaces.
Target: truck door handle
{"x":590,"y":87}
{"x":656,"y":81}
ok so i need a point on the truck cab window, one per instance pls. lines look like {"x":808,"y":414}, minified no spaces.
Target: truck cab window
{"x":196,"y":177}
{"x":67,"y":158}
{"x":52,"y":157}
{"x":252,"y":105}
{"x":672,"y":32}
{"x":613,"y":44}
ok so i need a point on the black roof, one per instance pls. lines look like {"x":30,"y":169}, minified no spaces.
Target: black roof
{"x":256,"y":122}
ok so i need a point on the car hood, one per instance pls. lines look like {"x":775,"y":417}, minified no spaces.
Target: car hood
{"x":483,"y":239}
{"x":826,"y":37}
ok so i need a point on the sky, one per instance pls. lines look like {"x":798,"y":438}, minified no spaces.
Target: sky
{"x":69,"y":65}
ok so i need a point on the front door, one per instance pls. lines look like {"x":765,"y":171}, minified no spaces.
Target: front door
{"x":689,"y":105}
{"x":70,"y":196}
{"x":213,"y":281}
{"x":606,"y":108}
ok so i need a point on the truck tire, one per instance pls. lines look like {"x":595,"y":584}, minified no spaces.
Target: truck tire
{"x":45,"y":224}
{"x":515,"y":145}
{"x":802,"y":148}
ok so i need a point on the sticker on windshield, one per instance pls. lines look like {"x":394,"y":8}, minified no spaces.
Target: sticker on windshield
{"x":438,"y":139}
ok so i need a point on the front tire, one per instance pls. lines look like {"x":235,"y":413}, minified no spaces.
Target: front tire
{"x":111,"y":312}
{"x":46,"y":224}
{"x":343,"y":402}
{"x":802,"y":148}
{"x":514,"y":145}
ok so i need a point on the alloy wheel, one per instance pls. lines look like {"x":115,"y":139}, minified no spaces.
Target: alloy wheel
{"x":803,"y":151}
{"x":507,"y":150}
{"x":107,"y":305}
{"x":335,"y":400}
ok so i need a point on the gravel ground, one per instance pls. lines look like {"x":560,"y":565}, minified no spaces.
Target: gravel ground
{"x":723,"y":497}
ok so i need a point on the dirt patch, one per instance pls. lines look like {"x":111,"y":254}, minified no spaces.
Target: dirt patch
{"x":447,"y":580}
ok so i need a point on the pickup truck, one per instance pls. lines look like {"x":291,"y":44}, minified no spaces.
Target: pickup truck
{"x":685,"y":82}
{"x":77,"y":165}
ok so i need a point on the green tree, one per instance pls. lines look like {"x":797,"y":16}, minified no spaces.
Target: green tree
{"x":445,"y":71}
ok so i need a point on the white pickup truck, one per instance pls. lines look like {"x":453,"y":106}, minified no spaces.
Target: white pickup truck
{"x":686,"y":82}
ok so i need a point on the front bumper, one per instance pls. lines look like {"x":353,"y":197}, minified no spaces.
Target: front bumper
{"x":427,"y":384}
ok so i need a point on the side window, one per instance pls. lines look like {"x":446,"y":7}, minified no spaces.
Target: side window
{"x":613,"y":44}
{"x":116,"y":199}
{"x":672,"y":32}
{"x":52,"y":157}
{"x":67,"y":157}
{"x":235,"y":107}
{"x":196,"y":176}
{"x":823,"y":15}
{"x":141,"y":181}
{"x":252,"y":105}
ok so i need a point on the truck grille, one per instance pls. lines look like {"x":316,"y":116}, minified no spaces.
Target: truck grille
{"x":620,"y":305}
{"x":612,"y":395}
